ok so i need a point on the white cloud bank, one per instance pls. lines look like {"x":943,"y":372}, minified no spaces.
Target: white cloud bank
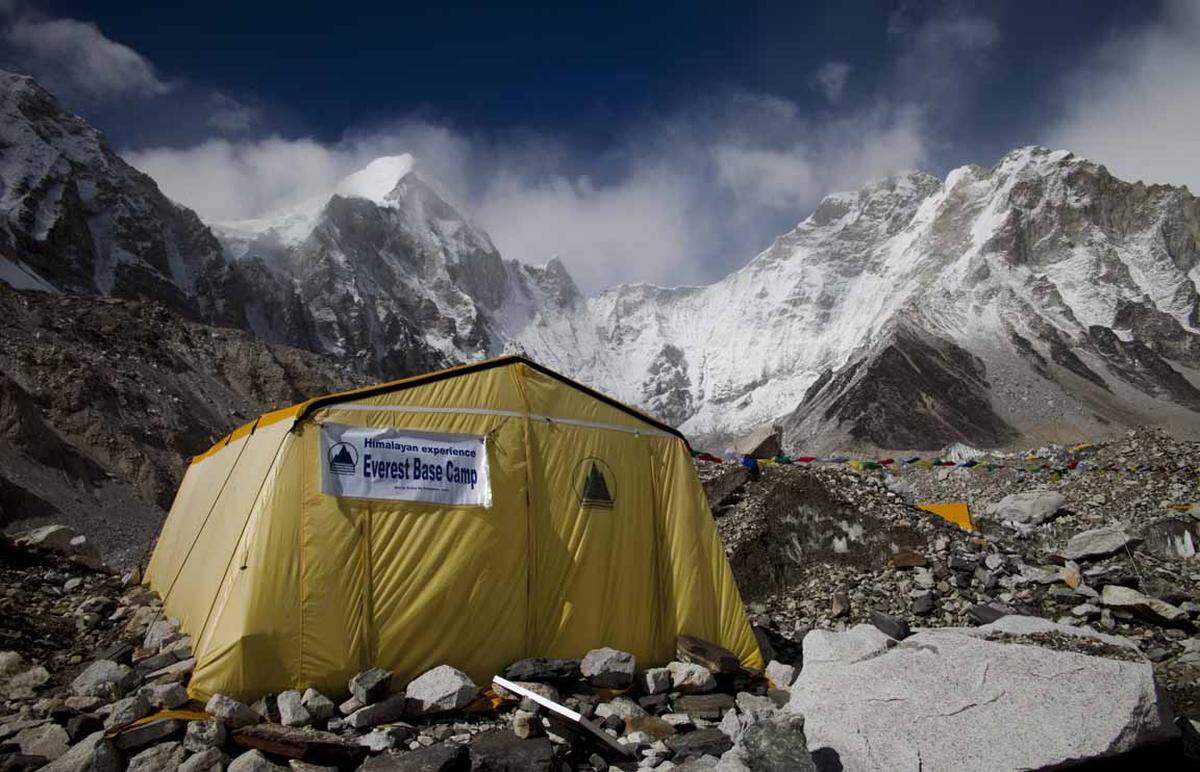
{"x":1135,"y":106}
{"x":75,"y":60}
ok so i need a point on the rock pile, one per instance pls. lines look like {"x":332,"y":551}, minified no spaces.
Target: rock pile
{"x":1093,"y":551}
{"x":62,"y":707}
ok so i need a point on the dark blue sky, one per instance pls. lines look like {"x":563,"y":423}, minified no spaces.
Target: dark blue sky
{"x":666,"y":142}
{"x":566,"y":68}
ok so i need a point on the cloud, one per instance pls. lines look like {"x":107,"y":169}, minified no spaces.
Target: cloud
{"x":831,"y":78}
{"x":1135,"y":105}
{"x":229,"y":116}
{"x":77,"y":61}
{"x":682,"y":196}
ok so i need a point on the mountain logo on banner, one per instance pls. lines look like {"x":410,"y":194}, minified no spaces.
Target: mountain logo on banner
{"x":343,"y":459}
{"x":595,"y":486}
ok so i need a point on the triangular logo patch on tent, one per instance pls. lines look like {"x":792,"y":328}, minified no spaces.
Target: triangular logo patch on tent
{"x":596,"y":492}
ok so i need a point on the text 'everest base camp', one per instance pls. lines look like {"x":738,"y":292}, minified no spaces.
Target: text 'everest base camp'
{"x":340,"y":487}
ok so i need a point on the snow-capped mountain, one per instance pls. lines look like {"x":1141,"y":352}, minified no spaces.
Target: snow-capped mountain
{"x":76,"y":218}
{"x":1041,"y":298}
{"x":386,"y":273}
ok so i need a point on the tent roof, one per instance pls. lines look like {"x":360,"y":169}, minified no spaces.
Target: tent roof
{"x":302,"y":410}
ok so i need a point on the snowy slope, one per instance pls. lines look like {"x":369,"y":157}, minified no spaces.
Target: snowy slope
{"x":389,"y":274}
{"x":1027,"y":261}
{"x":75,"y":217}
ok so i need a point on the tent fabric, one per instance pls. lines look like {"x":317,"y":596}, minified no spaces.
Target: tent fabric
{"x":957,"y":512}
{"x":282,"y":586}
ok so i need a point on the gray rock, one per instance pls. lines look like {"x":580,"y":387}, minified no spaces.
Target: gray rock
{"x":704,"y":706}
{"x":702,"y":742}
{"x":986,"y":613}
{"x":165,"y":696}
{"x":303,"y":766}
{"x":105,"y":679}
{"x":656,"y":680}
{"x":235,"y":714}
{"x":1152,"y":609}
{"x":92,"y":754}
{"x":391,"y":709}
{"x":782,"y":675}
{"x":440,"y":690}
{"x":128,"y":710}
{"x":202,"y":735}
{"x":681,"y":722}
{"x":891,"y":626}
{"x":161,"y":633}
{"x":502,"y":750}
{"x":253,"y":761}
{"x":690,"y":678}
{"x":446,"y":757}
{"x":291,"y":709}
{"x":979,"y":691}
{"x":46,"y":740}
{"x":179,"y":671}
{"x":854,"y":644}
{"x":1096,"y":543}
{"x":774,"y":744}
{"x":621,"y":707}
{"x":167,"y":756}
{"x":371,"y":685}
{"x":543,"y":669}
{"x":319,"y":707}
{"x":207,"y":760}
{"x":526,"y":724}
{"x":143,"y":734}
{"x":19,"y":680}
{"x":350,"y":706}
{"x":1029,"y":508}
{"x":756,"y":707}
{"x":387,"y":738}
{"x":609,"y":668}
{"x":267,"y":708}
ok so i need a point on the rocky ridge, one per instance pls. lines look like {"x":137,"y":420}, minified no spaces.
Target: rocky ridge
{"x":104,"y":401}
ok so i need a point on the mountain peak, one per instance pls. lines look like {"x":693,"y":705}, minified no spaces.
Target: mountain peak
{"x":377,"y":179}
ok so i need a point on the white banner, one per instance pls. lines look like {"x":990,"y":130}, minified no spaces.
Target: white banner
{"x":404,"y":465}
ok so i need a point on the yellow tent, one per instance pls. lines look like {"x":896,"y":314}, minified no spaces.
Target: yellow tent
{"x":957,"y":512}
{"x":471,"y":517}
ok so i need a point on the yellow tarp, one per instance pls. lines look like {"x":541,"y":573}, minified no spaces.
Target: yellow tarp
{"x":282,"y":586}
{"x":956,"y":512}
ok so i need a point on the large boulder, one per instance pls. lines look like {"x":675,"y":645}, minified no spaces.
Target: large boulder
{"x":1029,"y":507}
{"x":104,"y":678}
{"x":371,"y":685}
{"x":442,"y":689}
{"x":775,"y":743}
{"x":1096,"y":543}
{"x":235,"y":714}
{"x":609,"y":668}
{"x":1152,"y":609}
{"x":92,"y":754}
{"x":1019,"y":693}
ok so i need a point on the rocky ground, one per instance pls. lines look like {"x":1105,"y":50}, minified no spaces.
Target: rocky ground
{"x":1062,"y":631}
{"x":827,"y":546}
{"x":103,"y":401}
{"x":92,"y":678}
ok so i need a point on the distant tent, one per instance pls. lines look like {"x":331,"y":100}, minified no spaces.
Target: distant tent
{"x":957,"y":512}
{"x":472,"y":517}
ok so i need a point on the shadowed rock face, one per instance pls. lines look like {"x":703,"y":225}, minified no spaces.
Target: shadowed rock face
{"x":914,"y":391}
{"x":800,"y":521}
{"x":102,"y":403}
{"x":86,"y":222}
